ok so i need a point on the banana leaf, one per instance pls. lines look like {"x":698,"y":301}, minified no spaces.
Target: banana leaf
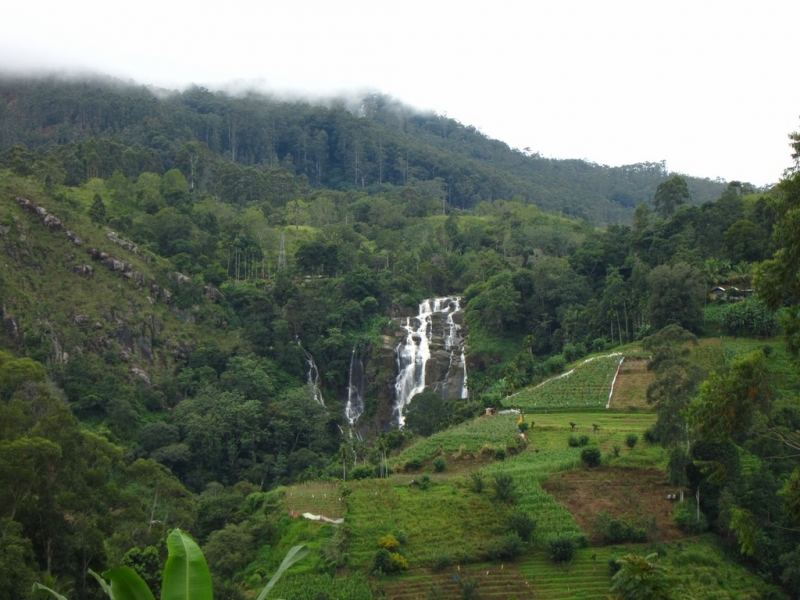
{"x":186,"y":575}
{"x":295,"y":554}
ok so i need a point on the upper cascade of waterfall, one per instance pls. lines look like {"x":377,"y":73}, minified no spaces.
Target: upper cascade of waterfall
{"x":435,"y":333}
{"x":312,"y":378}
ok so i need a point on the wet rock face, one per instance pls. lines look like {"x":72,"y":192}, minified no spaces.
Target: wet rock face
{"x":444,"y":373}
{"x":430,"y":356}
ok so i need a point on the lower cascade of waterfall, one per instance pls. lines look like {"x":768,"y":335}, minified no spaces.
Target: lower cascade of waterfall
{"x":355,"y":389}
{"x":431,"y":357}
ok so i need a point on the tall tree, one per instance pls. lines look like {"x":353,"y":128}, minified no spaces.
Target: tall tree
{"x":670,"y":194}
{"x":676,"y":296}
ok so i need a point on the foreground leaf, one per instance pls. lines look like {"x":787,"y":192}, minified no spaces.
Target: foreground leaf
{"x":103,"y":583}
{"x":186,"y":575}
{"x":40,"y":590}
{"x":127,"y":585}
{"x":296,"y":553}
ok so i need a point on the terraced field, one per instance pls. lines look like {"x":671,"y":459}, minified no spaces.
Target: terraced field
{"x":535,"y":576}
{"x":699,"y":566}
{"x":471,"y":436}
{"x":450,"y":520}
{"x":584,"y":387}
{"x":443,"y":519}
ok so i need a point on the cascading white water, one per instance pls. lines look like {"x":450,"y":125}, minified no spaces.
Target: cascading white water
{"x":464,"y":389}
{"x":312,"y":379}
{"x":355,"y":390}
{"x":414,"y":352}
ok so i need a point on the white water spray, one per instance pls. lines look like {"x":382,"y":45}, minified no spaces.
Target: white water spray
{"x":355,"y":389}
{"x":414,"y":352}
{"x":312,"y":378}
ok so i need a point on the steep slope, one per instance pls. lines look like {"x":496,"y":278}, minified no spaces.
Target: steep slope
{"x":76,"y":296}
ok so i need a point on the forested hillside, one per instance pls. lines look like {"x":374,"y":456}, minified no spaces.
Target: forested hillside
{"x":192,"y":281}
{"x":239,"y":148}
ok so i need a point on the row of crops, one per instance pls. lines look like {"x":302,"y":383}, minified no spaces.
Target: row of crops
{"x":585,"y":387}
{"x":470,"y":436}
{"x":528,"y":470}
{"x":442,"y":519}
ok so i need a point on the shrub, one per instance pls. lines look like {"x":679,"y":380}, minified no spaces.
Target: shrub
{"x":631,"y":439}
{"x":591,"y":457}
{"x":439,"y":464}
{"x":508,"y":547}
{"x":425,"y":482}
{"x":500,"y":454}
{"x":524,"y":426}
{"x":399,"y":562}
{"x":685,"y":517}
{"x":505,"y":488}
{"x":561,"y":549}
{"x":388,"y":562}
{"x":363,"y":472}
{"x":617,"y":531}
{"x":401,"y":536}
{"x":442,"y":561}
{"x":468,"y":588}
{"x":650,"y":436}
{"x":477,"y":483}
{"x":414,"y":464}
{"x":555,"y":364}
{"x":382,"y":562}
{"x":389,"y":542}
{"x":578,"y":442}
{"x":521,"y":523}
{"x":749,"y":318}
{"x":573,"y":352}
{"x":613,"y":564}
{"x":617,"y":449}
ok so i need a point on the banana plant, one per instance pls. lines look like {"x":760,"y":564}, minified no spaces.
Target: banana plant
{"x":185,"y":576}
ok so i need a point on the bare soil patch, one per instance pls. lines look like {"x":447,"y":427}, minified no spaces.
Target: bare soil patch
{"x":630,"y":389}
{"x":637,"y":495}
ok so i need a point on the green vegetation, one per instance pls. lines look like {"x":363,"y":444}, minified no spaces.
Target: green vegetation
{"x":193,"y":284}
{"x":586,"y":386}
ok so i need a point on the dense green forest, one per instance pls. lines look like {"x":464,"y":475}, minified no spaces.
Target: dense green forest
{"x":242,"y":148}
{"x":171,"y":261}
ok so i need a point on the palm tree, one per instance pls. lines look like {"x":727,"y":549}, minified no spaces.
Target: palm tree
{"x":640,"y":578}
{"x":744,"y":272}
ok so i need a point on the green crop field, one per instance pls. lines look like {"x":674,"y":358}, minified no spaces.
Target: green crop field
{"x":471,"y":436}
{"x":586,"y":386}
{"x":442,"y":519}
{"x":446,"y":526}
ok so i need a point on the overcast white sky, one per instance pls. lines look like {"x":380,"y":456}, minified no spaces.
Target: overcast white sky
{"x":711,"y":87}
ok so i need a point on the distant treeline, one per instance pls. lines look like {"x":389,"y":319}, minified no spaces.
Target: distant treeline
{"x":373,"y":143}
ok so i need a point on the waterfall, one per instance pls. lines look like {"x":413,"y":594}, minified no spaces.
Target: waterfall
{"x":312,"y":379}
{"x":414,"y":352}
{"x":464,"y":389}
{"x":355,"y":389}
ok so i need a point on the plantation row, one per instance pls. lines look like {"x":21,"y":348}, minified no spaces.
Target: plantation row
{"x":471,"y":436}
{"x":528,"y":470}
{"x":586,"y":386}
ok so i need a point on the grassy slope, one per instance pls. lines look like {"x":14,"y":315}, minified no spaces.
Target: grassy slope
{"x":42,"y":293}
{"x":450,"y":520}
